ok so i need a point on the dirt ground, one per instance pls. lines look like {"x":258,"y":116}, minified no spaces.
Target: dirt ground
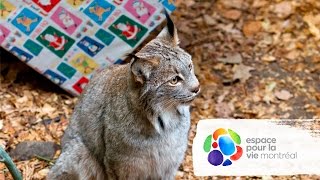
{"x":254,"y":59}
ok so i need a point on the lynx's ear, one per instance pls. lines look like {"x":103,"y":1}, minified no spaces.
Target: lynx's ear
{"x":169,"y":33}
{"x":141,"y":68}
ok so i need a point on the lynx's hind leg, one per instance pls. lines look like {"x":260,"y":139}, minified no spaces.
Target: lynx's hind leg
{"x":75,"y":163}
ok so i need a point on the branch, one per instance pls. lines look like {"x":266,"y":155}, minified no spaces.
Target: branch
{"x":5,"y":158}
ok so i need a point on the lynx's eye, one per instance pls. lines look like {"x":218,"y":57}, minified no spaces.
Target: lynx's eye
{"x":174,"y":81}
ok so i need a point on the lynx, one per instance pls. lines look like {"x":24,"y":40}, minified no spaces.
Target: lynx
{"x":132,"y":121}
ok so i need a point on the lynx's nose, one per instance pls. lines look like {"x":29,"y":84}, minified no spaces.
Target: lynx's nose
{"x":196,"y":89}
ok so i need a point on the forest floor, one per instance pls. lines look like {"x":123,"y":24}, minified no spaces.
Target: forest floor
{"x":256,"y":59}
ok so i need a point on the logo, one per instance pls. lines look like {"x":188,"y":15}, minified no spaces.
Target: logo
{"x":223,"y":147}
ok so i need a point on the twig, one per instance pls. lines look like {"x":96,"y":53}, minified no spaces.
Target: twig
{"x":5,"y":158}
{"x":51,"y":162}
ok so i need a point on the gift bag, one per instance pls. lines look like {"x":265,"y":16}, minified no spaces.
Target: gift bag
{"x":69,"y":40}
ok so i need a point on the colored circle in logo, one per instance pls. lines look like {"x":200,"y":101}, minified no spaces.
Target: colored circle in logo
{"x":223,"y":147}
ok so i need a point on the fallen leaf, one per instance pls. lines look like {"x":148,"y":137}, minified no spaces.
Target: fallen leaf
{"x":207,"y":91}
{"x":268,"y":95}
{"x":189,"y":3}
{"x":312,"y":22}
{"x":283,"y":95}
{"x":227,"y":28}
{"x":47,"y":109}
{"x":242,"y":72}
{"x":3,"y":144}
{"x":268,"y":58}
{"x":259,"y":3}
{"x":22,"y":99}
{"x":292,"y":55}
{"x":12,"y":74}
{"x":270,"y":86}
{"x":250,"y":28}
{"x":179,"y":174}
{"x":224,"y":110}
{"x":232,"y":3}
{"x":232,"y":14}
{"x":2,"y":177}
{"x":283,"y":9}
{"x":42,"y":174}
{"x":232,"y":59}
{"x":221,"y":97}
{"x":209,"y":20}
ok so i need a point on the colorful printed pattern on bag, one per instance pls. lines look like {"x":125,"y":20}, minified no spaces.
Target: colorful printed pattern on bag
{"x":4,"y":33}
{"x":26,"y":21}
{"x":33,"y":47}
{"x":169,"y":4}
{"x":5,"y":9}
{"x":46,"y":5}
{"x":56,"y":78}
{"x":84,"y":64}
{"x":90,"y":46}
{"x":140,"y":9}
{"x":23,"y":56}
{"x":69,"y":40}
{"x":128,"y":30}
{"x":66,"y":20}
{"x":56,"y":41}
{"x":99,"y":10}
{"x":79,"y":85}
{"x":105,"y":37}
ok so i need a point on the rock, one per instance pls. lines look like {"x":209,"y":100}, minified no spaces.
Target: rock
{"x":251,"y":28}
{"x":232,"y":14}
{"x":29,"y":149}
{"x":232,"y":59}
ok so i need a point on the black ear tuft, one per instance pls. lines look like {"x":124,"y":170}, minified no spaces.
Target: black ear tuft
{"x":170,"y":24}
{"x":169,"y":34}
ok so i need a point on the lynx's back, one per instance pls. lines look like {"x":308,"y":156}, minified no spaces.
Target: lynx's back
{"x":132,"y":120}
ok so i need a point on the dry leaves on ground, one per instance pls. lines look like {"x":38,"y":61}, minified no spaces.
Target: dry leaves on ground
{"x":271,"y":47}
